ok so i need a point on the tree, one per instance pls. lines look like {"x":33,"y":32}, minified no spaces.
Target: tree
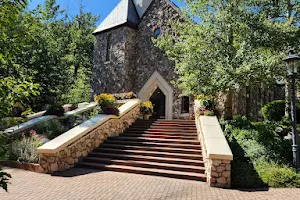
{"x":233,"y":44}
{"x":60,"y":57}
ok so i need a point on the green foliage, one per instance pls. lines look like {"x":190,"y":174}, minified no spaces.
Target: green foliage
{"x":274,"y":111}
{"x":232,"y":45}
{"x":279,"y":175}
{"x":55,"y":109}
{"x":260,"y":155}
{"x":51,"y":129}
{"x":24,"y":150}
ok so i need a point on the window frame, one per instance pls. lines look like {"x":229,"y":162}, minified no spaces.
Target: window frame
{"x":184,"y":100}
{"x":108,"y":48}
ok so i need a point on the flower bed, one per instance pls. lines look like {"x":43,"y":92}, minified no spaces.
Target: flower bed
{"x":205,"y":105}
{"x":22,"y":147}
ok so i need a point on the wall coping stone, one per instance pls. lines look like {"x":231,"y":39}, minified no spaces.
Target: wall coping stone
{"x":217,"y":147}
{"x":36,"y":120}
{"x":67,"y":138}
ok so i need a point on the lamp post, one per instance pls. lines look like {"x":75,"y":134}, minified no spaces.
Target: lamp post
{"x":292,"y":67}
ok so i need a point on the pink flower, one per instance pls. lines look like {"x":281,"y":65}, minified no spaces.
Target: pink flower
{"x":32,"y":132}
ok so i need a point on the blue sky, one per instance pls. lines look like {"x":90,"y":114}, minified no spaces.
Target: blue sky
{"x":96,"y":7}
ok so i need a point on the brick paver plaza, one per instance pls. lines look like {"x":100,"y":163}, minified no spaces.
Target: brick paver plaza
{"x":89,"y":184}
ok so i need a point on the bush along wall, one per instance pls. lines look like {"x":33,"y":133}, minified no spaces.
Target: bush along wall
{"x":261,"y":156}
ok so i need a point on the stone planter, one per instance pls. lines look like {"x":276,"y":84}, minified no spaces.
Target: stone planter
{"x":34,"y":167}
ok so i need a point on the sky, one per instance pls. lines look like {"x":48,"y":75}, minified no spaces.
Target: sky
{"x":96,"y":7}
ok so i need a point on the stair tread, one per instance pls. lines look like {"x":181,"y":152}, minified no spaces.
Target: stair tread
{"x":141,"y":169}
{"x":165,"y":159}
{"x":149,"y":163}
{"x":157,"y":139}
{"x":151,"y":148}
{"x":149,"y":152}
{"x":153,"y":143}
{"x":161,"y":135}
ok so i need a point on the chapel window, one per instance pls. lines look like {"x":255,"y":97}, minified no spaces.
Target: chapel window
{"x":185,"y":104}
{"x":156,"y":33}
{"x":108,"y":48}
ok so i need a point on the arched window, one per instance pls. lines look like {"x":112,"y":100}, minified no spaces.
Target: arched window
{"x":156,"y":32}
{"x":185,"y":104}
{"x":108,"y":48}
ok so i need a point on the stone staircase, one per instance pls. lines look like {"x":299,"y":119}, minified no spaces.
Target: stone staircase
{"x":168,"y":148}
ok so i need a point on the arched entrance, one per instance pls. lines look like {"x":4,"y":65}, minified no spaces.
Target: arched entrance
{"x":159,"y":103}
{"x":156,"y":81}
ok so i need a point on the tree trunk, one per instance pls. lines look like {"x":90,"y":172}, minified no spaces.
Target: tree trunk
{"x":228,"y":106}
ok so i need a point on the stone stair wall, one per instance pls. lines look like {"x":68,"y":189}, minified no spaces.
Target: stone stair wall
{"x":55,"y":157}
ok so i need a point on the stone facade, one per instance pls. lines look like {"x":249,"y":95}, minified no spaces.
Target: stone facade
{"x":70,"y":155}
{"x":219,"y":173}
{"x":134,"y":56}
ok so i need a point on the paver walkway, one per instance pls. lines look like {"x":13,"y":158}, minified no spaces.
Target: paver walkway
{"x":89,"y":184}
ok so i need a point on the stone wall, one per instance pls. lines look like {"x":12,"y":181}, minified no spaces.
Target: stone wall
{"x":110,"y":76}
{"x":149,"y":58}
{"x":248,"y":101}
{"x":217,"y":170}
{"x":219,"y":173}
{"x":70,"y":155}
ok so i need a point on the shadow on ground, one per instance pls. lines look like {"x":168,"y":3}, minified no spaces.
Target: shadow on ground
{"x":75,"y":172}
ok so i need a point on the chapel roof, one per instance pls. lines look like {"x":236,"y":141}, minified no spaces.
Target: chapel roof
{"x":125,"y":12}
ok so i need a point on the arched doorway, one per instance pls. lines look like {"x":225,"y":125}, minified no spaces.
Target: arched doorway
{"x":159,"y":103}
{"x":156,"y":81}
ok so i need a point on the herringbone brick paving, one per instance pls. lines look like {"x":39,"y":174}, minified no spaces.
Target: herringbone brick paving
{"x":77,"y":184}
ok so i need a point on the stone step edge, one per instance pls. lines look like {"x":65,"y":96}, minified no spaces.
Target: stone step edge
{"x":147,"y":171}
{"x":147,"y":164}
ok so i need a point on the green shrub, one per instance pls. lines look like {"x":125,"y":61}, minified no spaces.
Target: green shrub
{"x":274,"y":111}
{"x":56,"y":109}
{"x":256,"y":148}
{"x":278,"y":176}
{"x":24,"y":150}
{"x":51,"y":129}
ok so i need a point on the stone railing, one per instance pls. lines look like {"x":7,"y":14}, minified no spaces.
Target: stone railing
{"x":39,"y":118}
{"x":67,"y":149}
{"x":216,"y":152}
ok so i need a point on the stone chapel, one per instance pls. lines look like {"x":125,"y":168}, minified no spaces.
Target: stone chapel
{"x":125,"y":58}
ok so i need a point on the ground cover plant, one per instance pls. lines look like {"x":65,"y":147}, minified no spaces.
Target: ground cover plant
{"x":262,"y":157}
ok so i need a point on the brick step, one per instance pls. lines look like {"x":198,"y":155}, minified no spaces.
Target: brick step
{"x":146,"y":158}
{"x":160,"y":136}
{"x":177,"y":125}
{"x":164,"y":127}
{"x":163,"y":130}
{"x":149,"y":153}
{"x":160,"y":149}
{"x":156,"y":140}
{"x":145,"y":171}
{"x":153,"y":144}
{"x":173,"y":127}
{"x":160,"y":133}
{"x":183,"y":122}
{"x":146,"y":164}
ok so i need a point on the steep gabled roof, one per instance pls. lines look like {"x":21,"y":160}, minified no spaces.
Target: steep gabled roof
{"x":142,"y":6}
{"x":128,"y":12}
{"x":124,"y":13}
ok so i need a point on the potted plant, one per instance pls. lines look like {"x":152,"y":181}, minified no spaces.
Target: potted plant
{"x":147,"y":109}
